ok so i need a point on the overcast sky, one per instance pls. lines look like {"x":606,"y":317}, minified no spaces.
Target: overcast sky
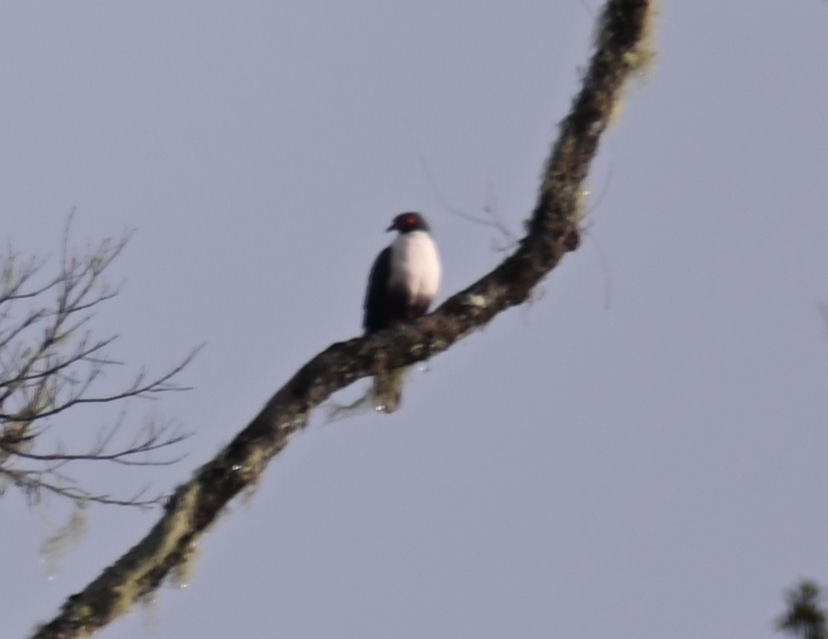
{"x":640,"y":452}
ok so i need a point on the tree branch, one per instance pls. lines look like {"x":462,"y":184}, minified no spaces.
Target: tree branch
{"x":51,"y":363}
{"x":552,"y":232}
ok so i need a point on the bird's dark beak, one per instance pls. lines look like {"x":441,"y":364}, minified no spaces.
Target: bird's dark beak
{"x":391,"y":228}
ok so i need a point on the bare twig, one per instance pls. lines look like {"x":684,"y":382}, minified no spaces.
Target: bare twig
{"x":35,"y":483}
{"x":492,"y":219}
{"x":51,"y":362}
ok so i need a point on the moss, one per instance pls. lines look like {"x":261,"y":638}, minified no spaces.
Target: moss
{"x":163,"y":543}
{"x":83,"y":616}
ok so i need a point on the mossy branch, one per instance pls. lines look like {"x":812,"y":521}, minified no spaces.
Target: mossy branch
{"x":552,"y":231}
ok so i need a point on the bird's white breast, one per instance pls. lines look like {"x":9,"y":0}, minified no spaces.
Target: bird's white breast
{"x":415,"y":265}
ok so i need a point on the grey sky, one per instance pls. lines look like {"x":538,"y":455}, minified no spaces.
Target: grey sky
{"x":638,"y":453}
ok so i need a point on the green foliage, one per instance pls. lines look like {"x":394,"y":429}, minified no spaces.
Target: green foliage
{"x":805,"y":616}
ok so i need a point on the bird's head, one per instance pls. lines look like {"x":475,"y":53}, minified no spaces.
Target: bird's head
{"x":407,"y":222}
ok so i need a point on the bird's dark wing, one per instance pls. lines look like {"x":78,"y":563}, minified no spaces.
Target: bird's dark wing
{"x":376,"y":308}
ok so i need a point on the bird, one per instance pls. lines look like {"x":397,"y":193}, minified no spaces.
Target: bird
{"x":402,"y":284}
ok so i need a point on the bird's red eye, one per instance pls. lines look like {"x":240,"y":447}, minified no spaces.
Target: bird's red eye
{"x":410,"y":221}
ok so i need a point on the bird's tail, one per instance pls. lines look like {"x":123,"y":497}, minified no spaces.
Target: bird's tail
{"x":387,"y":394}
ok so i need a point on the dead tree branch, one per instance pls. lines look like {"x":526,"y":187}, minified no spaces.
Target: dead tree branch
{"x":51,"y":362}
{"x":552,"y":231}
